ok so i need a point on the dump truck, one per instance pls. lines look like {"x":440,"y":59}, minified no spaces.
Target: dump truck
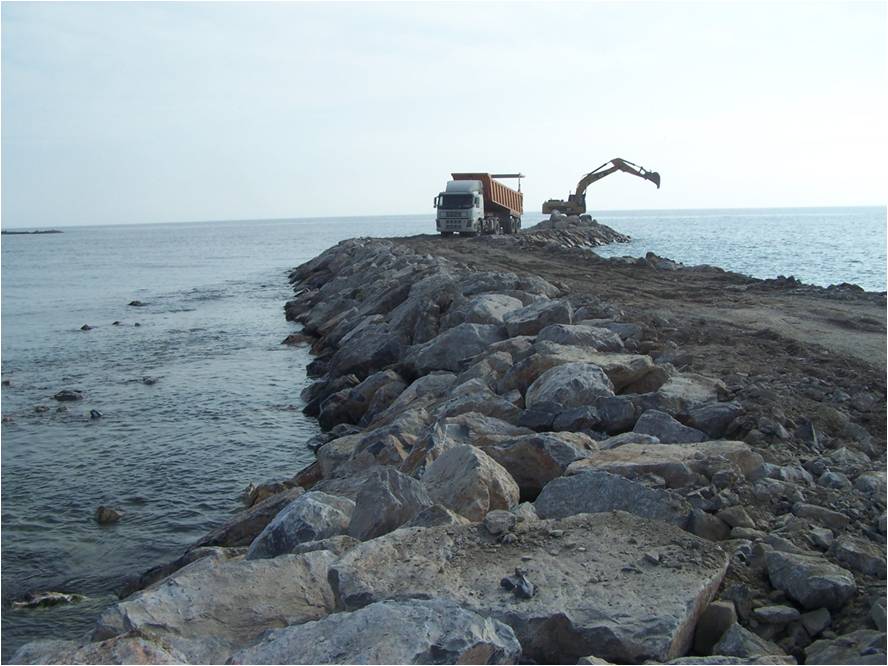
{"x":576,"y":203}
{"x":475,"y":203}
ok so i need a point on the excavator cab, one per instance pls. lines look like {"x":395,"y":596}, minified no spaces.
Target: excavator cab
{"x":576,"y":203}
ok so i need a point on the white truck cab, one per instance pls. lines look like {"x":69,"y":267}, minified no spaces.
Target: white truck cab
{"x":461,"y":207}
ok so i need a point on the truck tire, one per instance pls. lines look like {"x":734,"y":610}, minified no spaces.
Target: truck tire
{"x":446,"y":233}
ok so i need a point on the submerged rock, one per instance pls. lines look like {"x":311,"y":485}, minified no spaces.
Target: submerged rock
{"x":106,"y":515}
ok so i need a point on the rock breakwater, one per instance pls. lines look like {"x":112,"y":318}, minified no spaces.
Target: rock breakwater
{"x":482,"y":427}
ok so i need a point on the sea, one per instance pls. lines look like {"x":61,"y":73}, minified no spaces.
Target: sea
{"x":197,"y":395}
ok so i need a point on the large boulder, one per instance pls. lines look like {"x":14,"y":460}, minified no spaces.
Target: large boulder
{"x":595,"y":593}
{"x":678,"y":464}
{"x":534,"y":460}
{"x":570,"y":385}
{"x":375,"y":349}
{"x":482,"y":309}
{"x":451,"y":349}
{"x":476,"y":396}
{"x":684,"y":392}
{"x":386,"y":500}
{"x":599,"y":339}
{"x":810,"y":580}
{"x":311,"y":517}
{"x":714,"y":418}
{"x":413,"y":631}
{"x":471,"y":483}
{"x":241,"y":529}
{"x":117,"y":650}
{"x":599,"y":492}
{"x":738,"y":641}
{"x":863,"y":646}
{"x":210,"y":608}
{"x":533,"y":318}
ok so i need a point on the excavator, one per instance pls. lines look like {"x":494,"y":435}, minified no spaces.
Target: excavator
{"x":576,"y":203}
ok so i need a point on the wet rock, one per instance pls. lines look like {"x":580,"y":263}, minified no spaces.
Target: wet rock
{"x":666,"y":429}
{"x":297,"y":339}
{"x":135,"y":583}
{"x":811,"y":581}
{"x":241,"y":529}
{"x":386,"y":500}
{"x":599,"y":492}
{"x":117,"y":650}
{"x":620,"y":615}
{"x":776,"y":614}
{"x":714,"y":621}
{"x":95,"y":414}
{"x":137,"y":304}
{"x":310,"y":517}
{"x":534,"y":460}
{"x":68,"y":395}
{"x":570,"y":385}
{"x":740,"y":642}
{"x":86,"y":327}
{"x":210,"y":608}
{"x":41,"y":409}
{"x":600,"y":339}
{"x":533,"y":318}
{"x":46,"y":599}
{"x":106,"y":515}
{"x":859,"y":555}
{"x":428,"y":631}
{"x":468,"y":481}
{"x":859,"y":647}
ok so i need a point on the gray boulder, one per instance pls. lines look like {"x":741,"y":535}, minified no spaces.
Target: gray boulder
{"x":533,"y":318}
{"x":714,"y":418}
{"x":386,"y":500}
{"x":117,"y":650}
{"x":413,"y":631}
{"x":599,"y":492}
{"x":483,"y":309}
{"x":863,"y":646}
{"x":666,"y":429}
{"x":451,"y":349}
{"x":241,"y":529}
{"x":859,"y":555}
{"x":471,"y":483}
{"x":811,"y":581}
{"x":570,"y":385}
{"x":600,"y":339}
{"x":595,"y":594}
{"x":311,"y":517}
{"x":740,"y":642}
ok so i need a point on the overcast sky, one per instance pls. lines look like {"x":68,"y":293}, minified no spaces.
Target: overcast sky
{"x":129,"y":113}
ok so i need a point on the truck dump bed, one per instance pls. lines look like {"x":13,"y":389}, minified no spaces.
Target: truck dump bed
{"x":496,"y":193}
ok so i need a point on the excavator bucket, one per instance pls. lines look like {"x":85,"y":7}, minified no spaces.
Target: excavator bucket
{"x":654,"y":177}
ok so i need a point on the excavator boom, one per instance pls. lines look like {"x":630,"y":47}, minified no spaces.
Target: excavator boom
{"x":576,"y":203}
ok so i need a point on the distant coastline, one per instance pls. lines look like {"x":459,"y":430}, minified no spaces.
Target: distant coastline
{"x":22,"y":233}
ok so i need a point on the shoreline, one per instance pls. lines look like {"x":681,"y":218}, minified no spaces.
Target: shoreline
{"x":475,"y":418}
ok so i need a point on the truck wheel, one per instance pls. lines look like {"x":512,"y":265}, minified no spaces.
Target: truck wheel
{"x":446,"y":233}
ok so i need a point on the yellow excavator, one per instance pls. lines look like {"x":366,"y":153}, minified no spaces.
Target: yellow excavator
{"x":576,"y":203}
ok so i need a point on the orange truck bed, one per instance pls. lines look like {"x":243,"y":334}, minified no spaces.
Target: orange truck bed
{"x":496,"y":193}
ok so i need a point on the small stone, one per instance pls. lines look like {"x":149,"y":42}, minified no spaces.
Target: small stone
{"x":137,"y":304}
{"x":821,"y":538}
{"x":86,"y":327}
{"x":68,"y":395}
{"x":106,"y":515}
{"x":95,"y":414}
{"x":115,"y":323}
{"x":776,"y":614}
{"x":816,"y":621}
{"x":40,"y":409}
{"x":499,"y":521}
{"x":149,"y":381}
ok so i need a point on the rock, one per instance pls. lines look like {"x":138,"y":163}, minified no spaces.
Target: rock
{"x":137,"y":304}
{"x":210,"y":608}
{"x":872,"y":484}
{"x":599,"y":339}
{"x":740,"y":642}
{"x":434,"y":516}
{"x":468,"y":481}
{"x":254,"y":494}
{"x":811,"y":581}
{"x":776,"y":614}
{"x":435,"y":631}
{"x":617,"y":413}
{"x":713,"y":623}
{"x":386,"y":500}
{"x":68,"y":395}
{"x":337,"y":545}
{"x":835,"y":480}
{"x":714,"y":418}
{"x":86,"y":327}
{"x":859,"y":647}
{"x":626,"y":438}
{"x":310,"y":517}
{"x":297,"y":339}
{"x":46,"y":599}
{"x":832,"y":519}
{"x":599,"y":492}
{"x":769,"y":659}
{"x":736,"y":516}
{"x":570,"y":385}
{"x":665,"y":428}
{"x":877,"y":613}
{"x":816,"y":621}
{"x":106,"y":515}
{"x":483,"y":309}
{"x":576,"y":419}
{"x":451,"y":349}
{"x":149,"y":381}
{"x":707,"y":526}
{"x":117,"y":650}
{"x":859,"y":555}
{"x":375,"y":349}
{"x":689,"y":390}
{"x":525,"y":512}
{"x":241,"y":529}
{"x":618,"y":614}
{"x":534,"y":460}
{"x":679,"y":465}
{"x":135,"y":583}
{"x":533,"y":318}
{"x":499,"y":522}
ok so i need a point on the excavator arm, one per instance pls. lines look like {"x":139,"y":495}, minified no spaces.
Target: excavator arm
{"x":576,"y":203}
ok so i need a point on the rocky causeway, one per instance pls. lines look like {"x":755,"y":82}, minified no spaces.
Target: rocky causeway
{"x":531,"y":454}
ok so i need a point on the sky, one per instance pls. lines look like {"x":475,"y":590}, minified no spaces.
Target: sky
{"x":117,"y":113}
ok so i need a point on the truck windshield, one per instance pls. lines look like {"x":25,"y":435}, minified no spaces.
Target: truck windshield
{"x":456,"y":201}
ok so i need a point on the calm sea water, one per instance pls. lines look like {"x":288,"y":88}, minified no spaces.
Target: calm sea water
{"x":225,"y":410}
